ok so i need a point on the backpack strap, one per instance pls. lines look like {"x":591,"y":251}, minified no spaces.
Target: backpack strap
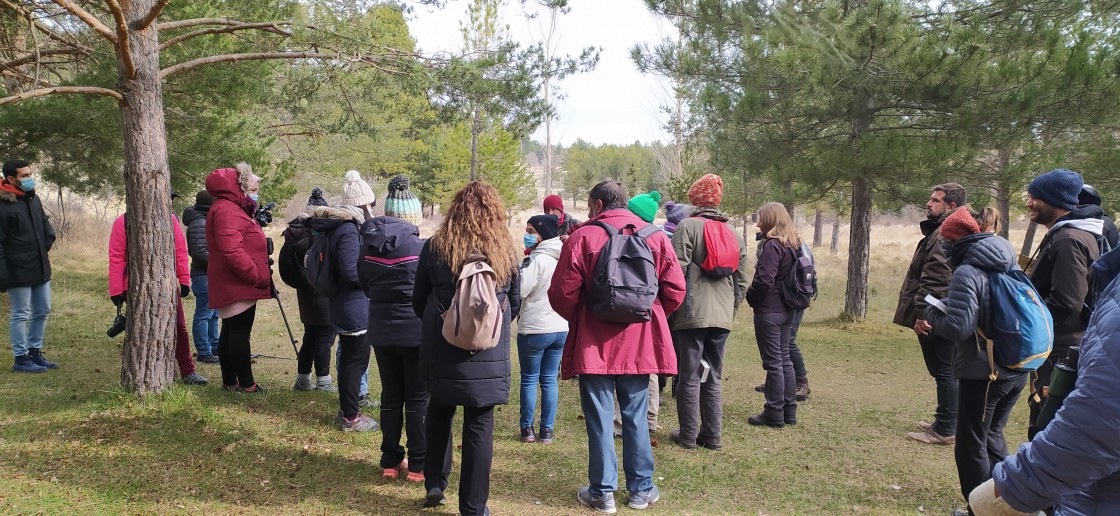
{"x":611,"y":230}
{"x":994,"y":374}
{"x":647,"y":231}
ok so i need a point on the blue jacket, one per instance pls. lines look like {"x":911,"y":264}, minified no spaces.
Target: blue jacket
{"x":1074,"y":463}
{"x":349,"y":307}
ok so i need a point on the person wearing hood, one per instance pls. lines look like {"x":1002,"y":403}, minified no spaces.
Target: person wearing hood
{"x":347,"y":301}
{"x":1090,"y":197}
{"x":205,"y":323}
{"x":541,"y":332}
{"x":1060,"y":268}
{"x":314,"y":313}
{"x":983,"y":403}
{"x":390,"y":253}
{"x":554,"y":205}
{"x":238,"y":264}
{"x":702,"y":325}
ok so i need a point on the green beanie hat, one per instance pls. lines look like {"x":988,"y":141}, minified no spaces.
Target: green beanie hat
{"x":645,"y":205}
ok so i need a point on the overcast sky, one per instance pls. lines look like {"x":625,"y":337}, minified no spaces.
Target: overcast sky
{"x":612,"y":104}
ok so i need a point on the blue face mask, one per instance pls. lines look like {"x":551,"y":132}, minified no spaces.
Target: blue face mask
{"x":530,"y":240}
{"x":254,"y":197}
{"x":27,"y":184}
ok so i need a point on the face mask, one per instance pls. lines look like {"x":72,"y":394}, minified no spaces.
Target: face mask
{"x":27,"y":184}
{"x":254,"y":197}
{"x":530,"y":240}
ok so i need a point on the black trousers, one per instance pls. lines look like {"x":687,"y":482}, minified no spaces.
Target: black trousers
{"x":938,"y":354}
{"x":352,"y":363}
{"x":404,"y":402}
{"x":316,"y":349}
{"x":982,"y":416}
{"x":771,"y":332}
{"x":693,"y":397}
{"x":478,"y":454}
{"x":234,"y":351}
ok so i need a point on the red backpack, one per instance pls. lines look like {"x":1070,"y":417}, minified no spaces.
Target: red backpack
{"x":723,"y":249}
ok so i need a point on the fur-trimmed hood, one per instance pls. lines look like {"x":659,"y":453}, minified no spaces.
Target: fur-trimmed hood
{"x":7,"y":196}
{"x":336,"y":213}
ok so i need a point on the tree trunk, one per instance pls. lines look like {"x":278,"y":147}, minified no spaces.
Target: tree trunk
{"x":476,"y":127}
{"x":859,"y":247}
{"x":1003,"y":194}
{"x":787,"y":191}
{"x":147,"y":362}
{"x":834,"y":247}
{"x":1028,"y":240}
{"x":818,"y":227}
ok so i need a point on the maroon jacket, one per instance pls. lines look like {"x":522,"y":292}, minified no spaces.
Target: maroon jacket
{"x":774,"y":263}
{"x":608,"y":348}
{"x":238,"y":265}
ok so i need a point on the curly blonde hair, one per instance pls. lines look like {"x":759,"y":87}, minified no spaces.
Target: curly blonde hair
{"x":475,"y":223}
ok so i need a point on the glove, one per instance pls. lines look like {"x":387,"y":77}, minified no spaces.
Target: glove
{"x":118,"y":299}
{"x":271,"y":262}
{"x":184,"y":290}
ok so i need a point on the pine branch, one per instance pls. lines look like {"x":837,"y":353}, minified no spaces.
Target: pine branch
{"x":194,"y":22}
{"x":272,"y":27}
{"x":367,"y":60}
{"x":45,"y":29}
{"x":20,"y":61}
{"x":152,"y":15}
{"x":61,"y":90}
{"x":88,"y":19}
{"x":122,"y":39}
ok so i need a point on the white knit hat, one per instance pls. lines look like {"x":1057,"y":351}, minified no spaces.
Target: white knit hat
{"x":355,"y":191}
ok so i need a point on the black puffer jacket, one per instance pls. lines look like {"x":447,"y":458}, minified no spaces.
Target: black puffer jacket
{"x":390,"y":254}
{"x":455,"y":376}
{"x":968,"y":303}
{"x":349,"y":307}
{"x":313,"y":308}
{"x":26,"y":238}
{"x":194,"y":217}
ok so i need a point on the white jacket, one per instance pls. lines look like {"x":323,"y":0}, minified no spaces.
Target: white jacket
{"x":537,"y":315}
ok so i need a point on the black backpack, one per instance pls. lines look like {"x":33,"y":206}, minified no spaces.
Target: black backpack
{"x":319,"y":265}
{"x":1096,"y":284}
{"x":624,"y":281}
{"x":290,"y":260}
{"x":799,"y":286}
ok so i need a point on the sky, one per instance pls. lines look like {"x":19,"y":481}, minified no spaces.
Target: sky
{"x":614,"y":103}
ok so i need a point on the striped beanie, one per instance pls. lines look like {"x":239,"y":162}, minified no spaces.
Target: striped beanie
{"x":401,"y":203}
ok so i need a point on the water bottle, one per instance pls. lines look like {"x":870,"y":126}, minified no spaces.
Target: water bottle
{"x":1062,"y":382}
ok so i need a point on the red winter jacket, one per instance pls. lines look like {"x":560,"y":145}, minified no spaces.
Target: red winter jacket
{"x":238,"y":265}
{"x":118,"y":256}
{"x":599,"y":347}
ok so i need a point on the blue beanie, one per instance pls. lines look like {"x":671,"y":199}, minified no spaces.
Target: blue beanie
{"x":1058,"y":188}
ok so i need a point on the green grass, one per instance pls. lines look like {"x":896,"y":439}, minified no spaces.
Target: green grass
{"x":72,"y":442}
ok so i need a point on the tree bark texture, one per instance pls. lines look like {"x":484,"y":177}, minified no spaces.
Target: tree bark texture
{"x":1003,"y":194}
{"x":147,"y":362}
{"x":834,"y":247}
{"x":859,"y":251}
{"x":818,"y":229}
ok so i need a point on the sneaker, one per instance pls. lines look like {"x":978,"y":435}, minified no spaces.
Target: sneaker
{"x":255,"y":389}
{"x":395,"y":470}
{"x":546,"y":435}
{"x":434,"y":498}
{"x":713,"y":444}
{"x":642,"y":499}
{"x":924,"y":425}
{"x":527,"y":435}
{"x":760,"y":420}
{"x":36,"y":355}
{"x":931,"y":437}
{"x":675,"y":437}
{"x":195,"y":379}
{"x":360,"y":423}
{"x":24,"y":364}
{"x":415,"y":476}
{"x":803,"y":390}
{"x":303,"y":383}
{"x":604,"y":503}
{"x":323,"y":383}
{"x":208,"y":359}
{"x":365,"y":401}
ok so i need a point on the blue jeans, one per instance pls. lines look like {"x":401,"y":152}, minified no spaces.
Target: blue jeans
{"x":596,"y":394}
{"x":363,"y":389}
{"x":205,"y":327}
{"x":539,"y":355}
{"x":30,"y":307}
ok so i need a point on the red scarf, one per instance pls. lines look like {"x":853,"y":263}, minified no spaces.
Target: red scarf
{"x":9,"y":187}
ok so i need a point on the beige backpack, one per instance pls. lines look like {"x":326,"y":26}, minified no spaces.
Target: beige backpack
{"x":474,"y":320}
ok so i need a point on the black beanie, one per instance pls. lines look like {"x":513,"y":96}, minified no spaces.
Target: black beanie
{"x":547,"y":226}
{"x":316,"y":198}
{"x":203,"y":198}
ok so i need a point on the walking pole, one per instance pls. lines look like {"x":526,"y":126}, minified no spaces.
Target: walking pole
{"x":285,"y":317}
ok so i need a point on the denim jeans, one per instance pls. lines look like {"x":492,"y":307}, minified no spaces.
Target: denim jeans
{"x":938,"y":353}
{"x":205,"y":326}
{"x":794,"y":351}
{"x":539,"y":355}
{"x":363,"y":388}
{"x":30,"y":307}
{"x":596,"y":393}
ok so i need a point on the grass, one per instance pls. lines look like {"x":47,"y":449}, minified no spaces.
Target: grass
{"x":72,"y":442}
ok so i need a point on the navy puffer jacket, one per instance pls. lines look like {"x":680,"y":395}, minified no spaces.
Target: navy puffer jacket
{"x":390,"y":253}
{"x":194,"y":217}
{"x":349,"y":307}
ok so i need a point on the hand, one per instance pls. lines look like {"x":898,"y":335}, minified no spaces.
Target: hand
{"x":119,"y":299}
{"x":922,"y":327}
{"x":184,"y":290}
{"x":271,"y":262}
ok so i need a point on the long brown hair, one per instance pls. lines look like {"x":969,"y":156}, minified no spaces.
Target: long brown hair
{"x":988,"y":219}
{"x":475,"y":223}
{"x":774,"y":221}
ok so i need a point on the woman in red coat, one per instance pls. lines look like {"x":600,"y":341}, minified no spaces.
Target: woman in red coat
{"x":238,"y":269}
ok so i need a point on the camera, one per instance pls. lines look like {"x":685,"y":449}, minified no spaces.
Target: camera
{"x":263,"y":216}
{"x":118,"y":325}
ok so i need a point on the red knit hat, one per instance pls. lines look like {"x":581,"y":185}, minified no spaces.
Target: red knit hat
{"x":706,"y":191}
{"x":553,"y":202}
{"x":959,"y":225}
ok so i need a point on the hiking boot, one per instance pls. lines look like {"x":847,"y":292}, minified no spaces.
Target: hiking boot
{"x":255,"y":389}
{"x":323,"y":383}
{"x":208,"y":359}
{"x":527,"y":435}
{"x":713,"y":444}
{"x":434,"y":498}
{"x":395,"y":470}
{"x":365,"y":401}
{"x":803,"y":390}
{"x":924,"y":425}
{"x":546,"y":435}
{"x":604,"y":503}
{"x":931,"y":437}
{"x":24,"y":364}
{"x":760,"y":420}
{"x":359,"y":423}
{"x":415,"y":476}
{"x":642,"y":499}
{"x":36,"y":355}
{"x":303,"y":383}
{"x":675,"y":437}
{"x":195,"y":379}
{"x":760,"y":387}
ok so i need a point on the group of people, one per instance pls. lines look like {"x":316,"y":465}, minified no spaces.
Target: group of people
{"x":947,"y":300}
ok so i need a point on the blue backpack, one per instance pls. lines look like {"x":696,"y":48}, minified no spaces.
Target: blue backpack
{"x":1021,"y":333}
